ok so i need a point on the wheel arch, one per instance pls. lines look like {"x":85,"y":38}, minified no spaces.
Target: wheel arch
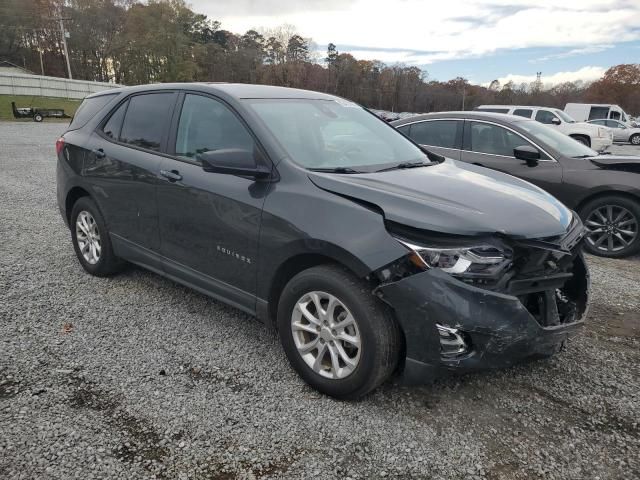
{"x":300,"y":262}
{"x":72,"y":197}
{"x":606,"y":193}
{"x":586,"y":136}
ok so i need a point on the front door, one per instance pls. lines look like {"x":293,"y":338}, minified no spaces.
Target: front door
{"x":491,"y":145}
{"x":210,"y":222}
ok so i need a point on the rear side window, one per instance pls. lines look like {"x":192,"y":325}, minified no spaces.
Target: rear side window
{"x":437,"y":133}
{"x":523,"y":112}
{"x":146,"y":120}
{"x":88,"y":109}
{"x":112,"y":128}
{"x":404,"y":129}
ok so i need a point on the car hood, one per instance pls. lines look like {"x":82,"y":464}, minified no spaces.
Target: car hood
{"x":627,"y":163}
{"x":456,"y":198}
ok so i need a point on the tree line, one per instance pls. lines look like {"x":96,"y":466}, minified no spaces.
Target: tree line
{"x":129,"y":42}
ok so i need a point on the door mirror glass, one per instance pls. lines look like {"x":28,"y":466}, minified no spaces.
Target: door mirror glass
{"x":529,"y":154}
{"x":232,"y":161}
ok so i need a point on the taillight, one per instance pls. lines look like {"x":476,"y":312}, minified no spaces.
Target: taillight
{"x":59,"y":145}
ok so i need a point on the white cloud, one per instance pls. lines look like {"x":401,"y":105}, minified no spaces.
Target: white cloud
{"x":586,"y":74}
{"x":573,"y":53}
{"x":451,"y":29}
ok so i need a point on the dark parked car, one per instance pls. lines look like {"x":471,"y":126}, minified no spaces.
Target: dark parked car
{"x":368,"y":254}
{"x":603,"y":188}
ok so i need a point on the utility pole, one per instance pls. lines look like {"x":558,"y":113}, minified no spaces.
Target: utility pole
{"x":64,"y":44}
{"x":464,"y":94}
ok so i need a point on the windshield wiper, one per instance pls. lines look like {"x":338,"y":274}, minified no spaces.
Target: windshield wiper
{"x":402,"y":165}
{"x":335,"y":170}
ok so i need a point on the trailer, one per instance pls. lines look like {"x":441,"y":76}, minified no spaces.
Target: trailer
{"x":38,"y":114}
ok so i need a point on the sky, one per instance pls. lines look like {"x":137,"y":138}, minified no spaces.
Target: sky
{"x":480,"y":40}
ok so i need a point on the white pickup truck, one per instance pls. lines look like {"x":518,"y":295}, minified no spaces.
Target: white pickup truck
{"x":597,"y":137}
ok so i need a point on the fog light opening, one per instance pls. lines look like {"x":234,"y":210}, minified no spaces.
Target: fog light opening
{"x":452,"y":342}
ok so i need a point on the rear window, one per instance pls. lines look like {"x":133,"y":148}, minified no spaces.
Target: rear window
{"x":88,"y":109}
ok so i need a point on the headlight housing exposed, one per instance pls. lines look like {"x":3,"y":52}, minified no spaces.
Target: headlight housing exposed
{"x":478,"y":261}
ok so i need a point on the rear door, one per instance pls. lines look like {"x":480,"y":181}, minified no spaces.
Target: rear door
{"x":491,"y":145}
{"x":442,"y":136}
{"x":209,"y":222}
{"x":123,"y":168}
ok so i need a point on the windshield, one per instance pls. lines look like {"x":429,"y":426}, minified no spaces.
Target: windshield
{"x":562,"y":143}
{"x":334,"y":134}
{"x":564,"y":116}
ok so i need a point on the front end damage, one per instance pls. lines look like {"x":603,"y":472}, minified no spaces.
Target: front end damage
{"x":527,"y":309}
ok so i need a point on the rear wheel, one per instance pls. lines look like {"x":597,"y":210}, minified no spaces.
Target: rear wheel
{"x":339,"y":338}
{"x":635,"y":139}
{"x":613,"y":222}
{"x":37,"y":117}
{"x":91,"y":240}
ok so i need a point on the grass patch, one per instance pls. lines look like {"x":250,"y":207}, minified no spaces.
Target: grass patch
{"x":67,"y":104}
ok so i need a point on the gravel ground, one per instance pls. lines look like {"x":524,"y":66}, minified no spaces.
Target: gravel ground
{"x":137,"y":377}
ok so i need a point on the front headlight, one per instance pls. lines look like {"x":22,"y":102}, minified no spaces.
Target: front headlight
{"x":474,"y":261}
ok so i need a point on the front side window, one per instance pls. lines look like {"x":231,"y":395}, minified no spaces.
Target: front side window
{"x":329,"y":134}
{"x":545,"y":116}
{"x":562,"y":143}
{"x":614,"y":115}
{"x":523,"y":112}
{"x":437,"y":133}
{"x":493,"y":139}
{"x":206,"y":125}
{"x":146,"y":120}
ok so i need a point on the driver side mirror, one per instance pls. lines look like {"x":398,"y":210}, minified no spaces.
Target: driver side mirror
{"x":527,"y":153}
{"x":233,"y":161}
{"x":556,"y":121}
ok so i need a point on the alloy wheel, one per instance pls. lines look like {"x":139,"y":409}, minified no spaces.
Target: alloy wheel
{"x":88,"y":237}
{"x":611,"y":228}
{"x":635,"y":140}
{"x":326,"y":335}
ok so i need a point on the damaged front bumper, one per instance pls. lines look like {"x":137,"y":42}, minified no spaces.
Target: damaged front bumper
{"x":450,"y":325}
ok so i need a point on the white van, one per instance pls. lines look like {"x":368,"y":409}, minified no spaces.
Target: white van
{"x":594,"y":136}
{"x":583,"y":112}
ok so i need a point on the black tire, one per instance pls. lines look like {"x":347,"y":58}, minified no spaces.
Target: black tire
{"x":107,"y":263}
{"x":380,"y":337}
{"x":582,"y":139}
{"x":37,"y":117}
{"x":617,"y":202}
{"x":635,"y":139}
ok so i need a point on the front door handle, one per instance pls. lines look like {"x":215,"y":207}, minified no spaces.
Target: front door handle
{"x":98,"y":152}
{"x":171,"y":175}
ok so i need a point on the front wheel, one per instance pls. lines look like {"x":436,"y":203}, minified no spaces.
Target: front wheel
{"x":37,"y":117}
{"x":635,"y":139}
{"x":339,"y":338}
{"x":613,"y":222}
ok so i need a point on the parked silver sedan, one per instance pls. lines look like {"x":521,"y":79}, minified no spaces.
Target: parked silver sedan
{"x":621,"y":131}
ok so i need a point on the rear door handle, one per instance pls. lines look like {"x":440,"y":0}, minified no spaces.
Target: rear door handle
{"x":171,"y":175}
{"x":98,"y":152}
